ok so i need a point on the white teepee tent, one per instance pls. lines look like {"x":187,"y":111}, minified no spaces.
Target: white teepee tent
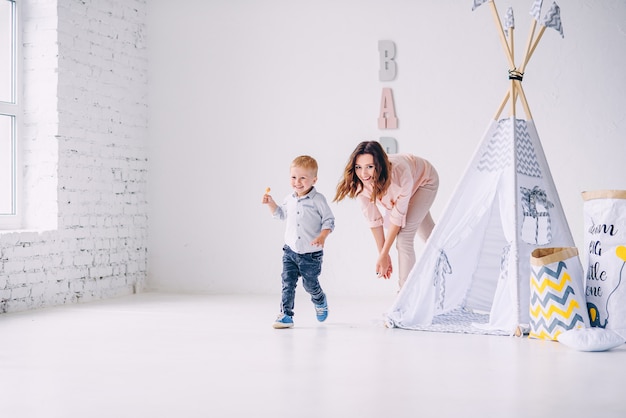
{"x":474,"y":273}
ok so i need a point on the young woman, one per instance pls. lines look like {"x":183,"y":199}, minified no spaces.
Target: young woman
{"x":405,"y":186}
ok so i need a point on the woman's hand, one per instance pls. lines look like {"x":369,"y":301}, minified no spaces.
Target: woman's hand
{"x":383,"y":266}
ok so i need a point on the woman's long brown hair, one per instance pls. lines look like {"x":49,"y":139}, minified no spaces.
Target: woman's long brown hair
{"x":351,"y":186}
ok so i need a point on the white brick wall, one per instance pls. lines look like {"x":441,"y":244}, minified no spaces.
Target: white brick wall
{"x":85,"y":153}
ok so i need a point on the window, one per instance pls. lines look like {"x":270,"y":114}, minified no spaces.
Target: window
{"x":9,"y":115}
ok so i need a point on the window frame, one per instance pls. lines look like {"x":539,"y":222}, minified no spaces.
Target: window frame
{"x":13,"y":109}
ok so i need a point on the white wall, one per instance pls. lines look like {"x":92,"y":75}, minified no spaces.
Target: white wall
{"x":84,"y":150}
{"x":240,"y":87}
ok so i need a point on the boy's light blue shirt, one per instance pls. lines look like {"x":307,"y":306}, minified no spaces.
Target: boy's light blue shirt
{"x":306,"y":216}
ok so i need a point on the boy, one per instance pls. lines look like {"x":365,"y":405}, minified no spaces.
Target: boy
{"x":309,"y":221}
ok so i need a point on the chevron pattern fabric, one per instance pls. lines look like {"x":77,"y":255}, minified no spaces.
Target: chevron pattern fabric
{"x":496,"y":153}
{"x":535,"y":10}
{"x":554,"y":305}
{"x":552,"y":19}
{"x":526,"y":157}
{"x":477,"y":3}
{"x":509,"y":20}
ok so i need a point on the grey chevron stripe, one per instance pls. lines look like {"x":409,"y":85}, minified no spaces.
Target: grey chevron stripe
{"x":477,"y":3}
{"x":557,"y":299}
{"x":551,"y":325}
{"x":535,"y":10}
{"x":553,"y":19}
{"x":496,"y":153}
{"x":526,"y":158}
{"x":509,"y":20}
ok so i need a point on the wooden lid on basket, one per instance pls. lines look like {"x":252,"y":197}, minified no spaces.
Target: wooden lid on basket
{"x":604,"y":194}
{"x":545,"y":256}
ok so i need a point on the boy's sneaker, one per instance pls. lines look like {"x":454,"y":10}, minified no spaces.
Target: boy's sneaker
{"x":283,"y":321}
{"x":321,"y":311}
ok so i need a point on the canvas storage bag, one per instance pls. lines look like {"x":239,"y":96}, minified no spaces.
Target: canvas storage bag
{"x":605,"y":237}
{"x":557,"y":298}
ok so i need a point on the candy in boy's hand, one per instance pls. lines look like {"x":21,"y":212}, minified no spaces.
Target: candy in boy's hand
{"x":267,"y":190}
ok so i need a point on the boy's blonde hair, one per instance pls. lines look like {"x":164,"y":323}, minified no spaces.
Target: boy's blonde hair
{"x":307,"y":162}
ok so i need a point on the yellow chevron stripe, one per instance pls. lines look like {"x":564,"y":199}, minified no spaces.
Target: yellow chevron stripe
{"x":543,"y":335}
{"x":541,"y":287}
{"x":555,"y":309}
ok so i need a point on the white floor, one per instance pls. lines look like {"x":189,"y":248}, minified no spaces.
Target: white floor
{"x":182,"y":356}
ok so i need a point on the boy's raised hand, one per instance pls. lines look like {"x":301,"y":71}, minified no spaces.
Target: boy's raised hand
{"x":267,"y":200}
{"x":266,"y":197}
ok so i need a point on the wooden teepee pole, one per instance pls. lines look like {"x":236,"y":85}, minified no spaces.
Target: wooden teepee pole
{"x":515,"y":90}
{"x":513,"y":84}
{"x":505,"y":45}
{"x":519,"y":93}
{"x":522,"y":97}
{"x":507,"y":96}
{"x":531,"y":34}
{"x":531,"y":44}
{"x":509,"y":52}
{"x":532,"y":49}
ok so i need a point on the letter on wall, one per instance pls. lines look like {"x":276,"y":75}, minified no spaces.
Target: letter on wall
{"x":387,"y":118}
{"x":387,"y":53}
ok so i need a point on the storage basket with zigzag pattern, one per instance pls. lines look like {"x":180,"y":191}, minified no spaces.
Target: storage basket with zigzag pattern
{"x":557,"y":299}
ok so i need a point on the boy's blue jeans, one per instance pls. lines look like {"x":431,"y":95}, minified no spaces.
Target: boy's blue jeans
{"x":308,"y":266}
